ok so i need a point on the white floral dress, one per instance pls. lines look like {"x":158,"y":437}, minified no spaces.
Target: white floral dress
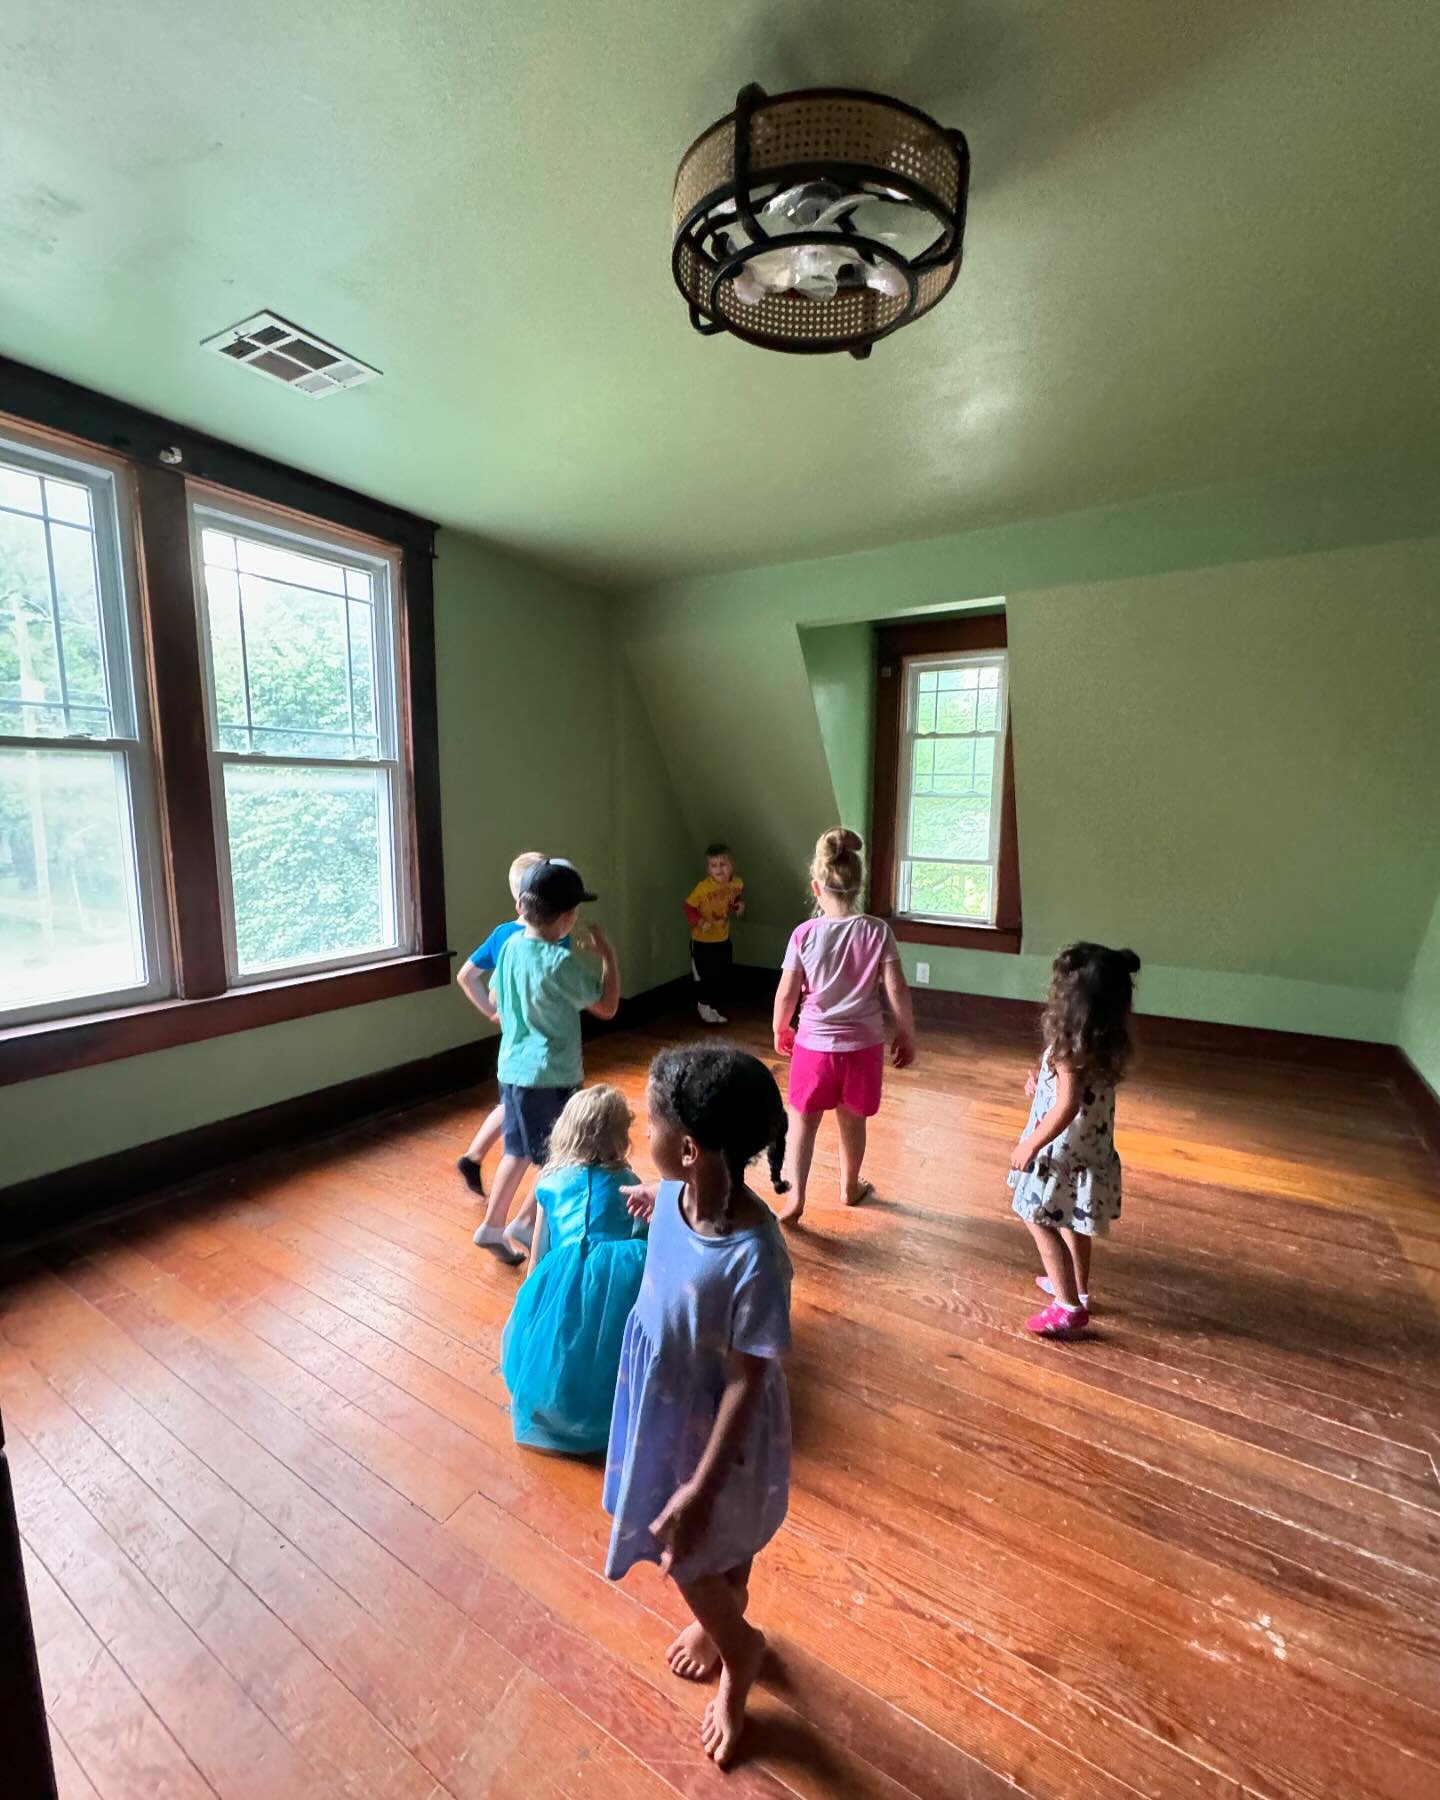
{"x":1074,"y":1182}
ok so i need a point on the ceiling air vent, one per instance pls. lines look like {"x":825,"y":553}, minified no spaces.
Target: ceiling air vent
{"x":273,"y":347}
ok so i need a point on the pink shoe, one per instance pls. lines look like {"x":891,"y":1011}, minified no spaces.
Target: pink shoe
{"x":1058,"y":1321}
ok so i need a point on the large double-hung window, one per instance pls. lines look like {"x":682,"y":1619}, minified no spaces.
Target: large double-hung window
{"x":81,"y":888}
{"x":218,"y":766}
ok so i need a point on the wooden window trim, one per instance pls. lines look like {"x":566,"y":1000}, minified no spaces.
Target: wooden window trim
{"x":948,"y":637}
{"x":203,"y":1004}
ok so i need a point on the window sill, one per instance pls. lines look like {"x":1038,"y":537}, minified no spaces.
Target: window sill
{"x":1004,"y":938}
{"x":54,"y":1046}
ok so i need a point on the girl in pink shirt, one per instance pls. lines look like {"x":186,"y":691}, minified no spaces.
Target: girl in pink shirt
{"x":836,"y":966}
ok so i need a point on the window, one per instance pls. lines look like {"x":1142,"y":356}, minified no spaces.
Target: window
{"x":79,"y":911}
{"x":946,"y":865}
{"x":219,"y":785}
{"x":304,"y":738}
{"x":948,"y":825}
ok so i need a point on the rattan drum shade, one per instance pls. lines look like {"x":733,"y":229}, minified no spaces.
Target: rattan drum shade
{"x":818,"y":220}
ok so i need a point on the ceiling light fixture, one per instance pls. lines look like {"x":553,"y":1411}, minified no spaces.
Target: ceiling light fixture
{"x":818,"y":220}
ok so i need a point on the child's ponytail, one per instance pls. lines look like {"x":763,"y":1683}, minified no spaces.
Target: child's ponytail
{"x":775,"y":1151}
{"x":837,"y":865}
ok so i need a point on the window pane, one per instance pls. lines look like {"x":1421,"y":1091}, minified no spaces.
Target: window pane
{"x":52,"y":655}
{"x":310,"y":863}
{"x":19,"y":489}
{"x":943,"y":891}
{"x":288,"y":566}
{"x":955,"y":829}
{"x":294,"y":666}
{"x":956,"y":711}
{"x":362,"y":668}
{"x":67,"y":501}
{"x":77,"y":599}
{"x":959,"y":765}
{"x":69,"y":907}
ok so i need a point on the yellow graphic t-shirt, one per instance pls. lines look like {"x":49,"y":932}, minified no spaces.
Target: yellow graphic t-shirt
{"x":713,"y":901}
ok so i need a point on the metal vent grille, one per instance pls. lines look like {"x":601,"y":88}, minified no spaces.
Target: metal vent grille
{"x":273,"y":347}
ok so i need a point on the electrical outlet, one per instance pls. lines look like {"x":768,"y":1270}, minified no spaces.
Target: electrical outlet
{"x":922,"y":974}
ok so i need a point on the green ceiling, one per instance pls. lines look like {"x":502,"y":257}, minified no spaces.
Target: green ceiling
{"x":1203,"y":245}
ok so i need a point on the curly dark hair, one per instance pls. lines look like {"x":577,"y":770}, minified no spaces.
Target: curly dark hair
{"x":726,"y":1100}
{"x":1087,"y":1014}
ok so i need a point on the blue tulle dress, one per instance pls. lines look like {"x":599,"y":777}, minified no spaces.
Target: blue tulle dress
{"x":560,"y":1351}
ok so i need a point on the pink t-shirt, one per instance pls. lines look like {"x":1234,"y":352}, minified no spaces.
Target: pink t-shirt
{"x":841,"y":961}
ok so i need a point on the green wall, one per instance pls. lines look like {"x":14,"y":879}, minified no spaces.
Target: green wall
{"x":840,"y":663}
{"x":543,"y":745}
{"x":1420,"y":1011}
{"x":1223,"y":759}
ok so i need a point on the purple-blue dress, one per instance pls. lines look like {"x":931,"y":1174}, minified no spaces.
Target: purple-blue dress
{"x":700,"y":1298}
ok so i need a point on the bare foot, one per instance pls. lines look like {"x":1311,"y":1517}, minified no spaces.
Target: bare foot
{"x":791,"y":1208}
{"x":693,"y":1656}
{"x":863,"y":1192}
{"x":725,"y":1715}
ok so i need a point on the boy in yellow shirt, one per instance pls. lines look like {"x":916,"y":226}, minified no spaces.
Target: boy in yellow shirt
{"x":709,"y":906}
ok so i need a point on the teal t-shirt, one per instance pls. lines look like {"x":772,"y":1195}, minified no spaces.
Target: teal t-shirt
{"x":541,"y":990}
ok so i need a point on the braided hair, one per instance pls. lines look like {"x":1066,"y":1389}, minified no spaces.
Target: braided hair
{"x":726,"y":1100}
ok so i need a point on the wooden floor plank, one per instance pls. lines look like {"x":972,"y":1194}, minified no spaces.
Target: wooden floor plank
{"x":281,"y":1540}
{"x":224,"y":1733}
{"x":108,"y":1732}
{"x":289,"y":1682}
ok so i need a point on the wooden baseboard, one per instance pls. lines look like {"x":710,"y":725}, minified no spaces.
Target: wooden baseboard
{"x":110,"y":1186}
{"x":1422,"y":1100}
{"x":48,"y":1205}
{"x":1164,"y":1031}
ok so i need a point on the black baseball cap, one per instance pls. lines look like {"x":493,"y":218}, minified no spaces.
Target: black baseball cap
{"x":557,"y":884}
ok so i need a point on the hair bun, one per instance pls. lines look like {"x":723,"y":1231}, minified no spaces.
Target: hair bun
{"x":840,"y":839}
{"x":1129,"y":961}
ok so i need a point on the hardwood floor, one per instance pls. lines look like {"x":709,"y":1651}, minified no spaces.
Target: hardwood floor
{"x":280,"y":1542}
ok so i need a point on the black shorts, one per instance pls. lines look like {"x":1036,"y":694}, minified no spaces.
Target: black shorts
{"x":530,"y":1115}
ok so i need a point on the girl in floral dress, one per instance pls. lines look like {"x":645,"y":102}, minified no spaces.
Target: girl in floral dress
{"x":1065,"y":1170}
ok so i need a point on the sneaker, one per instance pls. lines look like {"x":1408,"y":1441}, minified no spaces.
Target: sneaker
{"x":708,"y":1015}
{"x":470,"y":1171}
{"x":493,"y":1240}
{"x":1046,"y":1286}
{"x":1058,"y":1321}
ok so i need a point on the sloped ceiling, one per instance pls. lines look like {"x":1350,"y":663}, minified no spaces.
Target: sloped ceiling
{"x":1203,"y":246}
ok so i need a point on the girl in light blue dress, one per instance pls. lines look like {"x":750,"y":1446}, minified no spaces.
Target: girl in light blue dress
{"x":698,"y":1476}
{"x":561,"y":1346}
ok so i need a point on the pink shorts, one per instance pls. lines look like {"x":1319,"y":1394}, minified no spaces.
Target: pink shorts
{"x":821,"y":1080}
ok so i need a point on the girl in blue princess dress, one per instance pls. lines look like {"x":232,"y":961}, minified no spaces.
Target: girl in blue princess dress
{"x":561,"y":1347}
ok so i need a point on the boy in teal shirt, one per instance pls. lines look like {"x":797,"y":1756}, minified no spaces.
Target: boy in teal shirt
{"x":538,"y":992}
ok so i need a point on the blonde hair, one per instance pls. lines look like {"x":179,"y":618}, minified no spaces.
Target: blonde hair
{"x":524,"y":862}
{"x":838,"y":866}
{"x":593,"y":1129}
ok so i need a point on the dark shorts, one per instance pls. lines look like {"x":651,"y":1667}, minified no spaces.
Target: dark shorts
{"x":530,"y":1115}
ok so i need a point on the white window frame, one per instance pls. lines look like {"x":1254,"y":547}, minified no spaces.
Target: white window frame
{"x":122,"y":632}
{"x":222,"y":511}
{"x":912,"y":667}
